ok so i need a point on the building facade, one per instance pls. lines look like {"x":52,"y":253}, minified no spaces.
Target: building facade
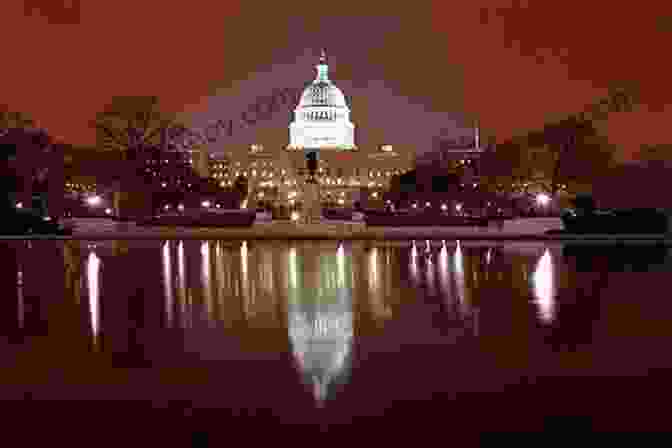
{"x":321,"y":122}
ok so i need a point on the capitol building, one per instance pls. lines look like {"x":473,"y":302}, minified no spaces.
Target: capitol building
{"x":322,"y":118}
{"x":321,"y":123}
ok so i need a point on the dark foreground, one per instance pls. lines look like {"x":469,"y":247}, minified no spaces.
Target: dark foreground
{"x":146,"y":342}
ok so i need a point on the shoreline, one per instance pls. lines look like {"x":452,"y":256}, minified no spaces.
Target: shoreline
{"x":515,"y":230}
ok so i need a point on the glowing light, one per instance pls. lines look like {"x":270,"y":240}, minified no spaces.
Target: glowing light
{"x":458,"y":207}
{"x":180,"y":207}
{"x":341,"y":201}
{"x":108,"y":211}
{"x":168,"y":283}
{"x":205,"y":204}
{"x":543,"y":287}
{"x":205,"y":276}
{"x":295,"y":215}
{"x":92,"y":277}
{"x":444,"y":270}
{"x":543,"y":199}
{"x":414,"y":261}
{"x":415,"y":205}
{"x":427,"y":204}
{"x":293,"y":268}
{"x":340,"y":260}
{"x":182,"y":283}
{"x":166,"y":207}
{"x":244,"y":263}
{"x":93,"y":200}
{"x":444,"y":207}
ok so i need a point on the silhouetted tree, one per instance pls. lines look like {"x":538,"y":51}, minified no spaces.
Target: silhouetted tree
{"x":13,"y":120}
{"x":509,"y":162}
{"x":131,"y":124}
{"x":655,"y":155}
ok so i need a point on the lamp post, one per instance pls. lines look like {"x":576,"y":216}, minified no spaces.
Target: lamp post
{"x":543,"y":200}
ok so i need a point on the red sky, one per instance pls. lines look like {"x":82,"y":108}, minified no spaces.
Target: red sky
{"x":62,"y":64}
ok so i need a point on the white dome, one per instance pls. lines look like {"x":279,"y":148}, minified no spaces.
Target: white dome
{"x":321,"y":94}
{"x":322,"y":117}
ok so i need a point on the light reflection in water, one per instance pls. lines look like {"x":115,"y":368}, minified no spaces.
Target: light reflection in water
{"x":375,"y":289}
{"x":205,"y":277}
{"x":182,"y":283}
{"x":92,"y":278}
{"x":19,"y":295}
{"x":293,"y":269}
{"x":168,"y":283}
{"x":414,"y":262}
{"x":340,"y":260}
{"x":431,"y":287}
{"x":320,"y":325}
{"x":544,"y":287}
{"x":459,"y":278}
{"x":444,"y":270}
{"x":244,"y":279}
{"x":373,"y":270}
{"x":223,"y":279}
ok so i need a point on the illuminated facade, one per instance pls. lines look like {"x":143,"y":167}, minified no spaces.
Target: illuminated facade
{"x":322,"y":117}
{"x":321,"y":123}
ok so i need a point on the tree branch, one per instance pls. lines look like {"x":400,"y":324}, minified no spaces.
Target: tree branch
{"x":110,"y":134}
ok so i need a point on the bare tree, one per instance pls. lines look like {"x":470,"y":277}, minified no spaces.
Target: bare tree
{"x":131,"y":124}
{"x":12,"y":120}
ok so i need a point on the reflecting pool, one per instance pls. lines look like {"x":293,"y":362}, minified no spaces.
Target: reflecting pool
{"x":175,"y":338}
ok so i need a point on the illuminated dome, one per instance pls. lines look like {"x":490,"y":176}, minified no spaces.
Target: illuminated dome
{"x":321,"y":94}
{"x":322,"y":117}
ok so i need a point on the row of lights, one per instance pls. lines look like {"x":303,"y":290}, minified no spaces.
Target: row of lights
{"x":444,"y":207}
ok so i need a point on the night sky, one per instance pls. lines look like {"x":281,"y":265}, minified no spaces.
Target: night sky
{"x":515,"y":64}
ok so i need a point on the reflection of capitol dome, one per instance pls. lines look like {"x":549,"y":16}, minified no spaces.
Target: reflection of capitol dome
{"x":321,"y":336}
{"x":322,"y":117}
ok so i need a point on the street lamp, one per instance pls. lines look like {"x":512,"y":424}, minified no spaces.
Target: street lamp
{"x":543,"y":200}
{"x":93,"y":200}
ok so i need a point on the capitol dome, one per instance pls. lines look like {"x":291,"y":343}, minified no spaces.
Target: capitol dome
{"x":321,"y":94}
{"x":322,"y":117}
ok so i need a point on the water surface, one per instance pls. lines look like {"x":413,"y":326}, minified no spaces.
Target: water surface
{"x":171,"y":337}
